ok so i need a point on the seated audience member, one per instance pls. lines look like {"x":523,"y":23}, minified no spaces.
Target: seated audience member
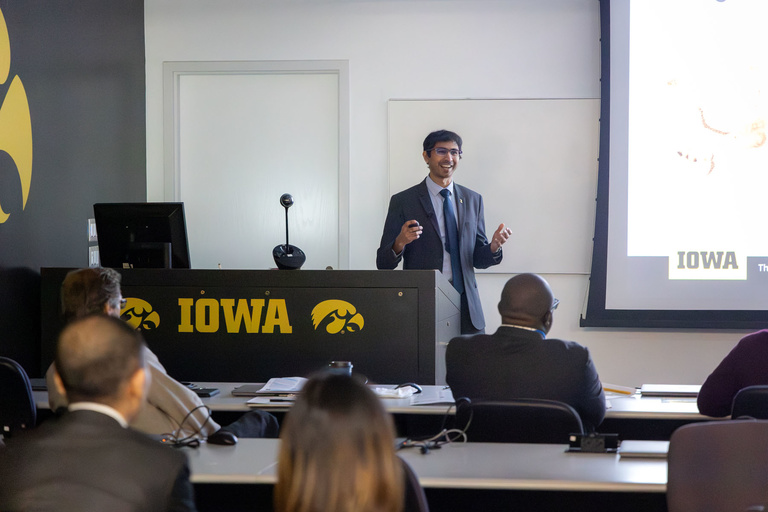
{"x":88,"y":459}
{"x":172,"y":408}
{"x":744,"y":366}
{"x":337,"y":451}
{"x":519,"y":361}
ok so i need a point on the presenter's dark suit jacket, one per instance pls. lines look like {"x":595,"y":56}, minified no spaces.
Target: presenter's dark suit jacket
{"x":516,"y":363}
{"x":426,"y":252}
{"x":85,"y":461}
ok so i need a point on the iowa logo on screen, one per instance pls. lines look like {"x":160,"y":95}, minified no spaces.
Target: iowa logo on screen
{"x":15,"y":121}
{"x":138,"y":314}
{"x":337,"y":317}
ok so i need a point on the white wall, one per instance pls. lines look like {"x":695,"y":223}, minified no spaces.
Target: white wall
{"x":426,"y":49}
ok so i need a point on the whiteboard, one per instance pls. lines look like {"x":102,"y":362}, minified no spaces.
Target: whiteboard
{"x":533,"y":161}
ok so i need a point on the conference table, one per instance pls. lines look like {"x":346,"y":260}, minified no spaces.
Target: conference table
{"x":472,"y":476}
{"x":631,"y":416}
{"x":436,"y":399}
{"x":652,"y":418}
{"x":458,"y":476}
{"x":433,"y":400}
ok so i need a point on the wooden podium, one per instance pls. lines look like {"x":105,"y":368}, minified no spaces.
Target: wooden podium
{"x":249,"y":325}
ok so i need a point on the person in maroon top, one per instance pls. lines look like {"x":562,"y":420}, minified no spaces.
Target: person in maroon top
{"x":746,"y":365}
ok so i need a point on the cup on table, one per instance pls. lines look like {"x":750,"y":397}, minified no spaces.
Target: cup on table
{"x":340,"y":367}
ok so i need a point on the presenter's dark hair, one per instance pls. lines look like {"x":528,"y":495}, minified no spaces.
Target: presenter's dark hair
{"x":440,"y":136}
{"x":337,"y":451}
{"x":86,"y":291}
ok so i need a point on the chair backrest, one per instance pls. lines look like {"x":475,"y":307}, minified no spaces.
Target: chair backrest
{"x":523,"y":420}
{"x":415,"y":499}
{"x":718,"y":466}
{"x":17,"y":404}
{"x":751,"y":402}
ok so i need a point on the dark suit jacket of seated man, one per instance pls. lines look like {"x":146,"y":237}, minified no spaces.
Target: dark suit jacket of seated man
{"x":518,"y":361}
{"x":88,"y":459}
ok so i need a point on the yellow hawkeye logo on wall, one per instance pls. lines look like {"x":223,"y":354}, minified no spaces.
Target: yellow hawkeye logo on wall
{"x":337,"y":316}
{"x":15,"y":121}
{"x":138,"y":313}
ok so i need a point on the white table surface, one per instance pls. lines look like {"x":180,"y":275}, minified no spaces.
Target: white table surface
{"x":619,"y":406}
{"x":471,"y":466}
{"x":224,"y":401}
{"x":624,"y":407}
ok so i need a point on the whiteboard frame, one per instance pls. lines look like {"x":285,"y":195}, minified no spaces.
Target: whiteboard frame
{"x":174,"y":70}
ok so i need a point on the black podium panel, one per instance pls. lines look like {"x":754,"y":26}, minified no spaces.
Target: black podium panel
{"x":229,"y":325}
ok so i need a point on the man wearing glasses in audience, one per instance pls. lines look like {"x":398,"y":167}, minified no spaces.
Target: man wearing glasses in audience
{"x":519,"y":361}
{"x":440,"y":225}
{"x":172,"y":408}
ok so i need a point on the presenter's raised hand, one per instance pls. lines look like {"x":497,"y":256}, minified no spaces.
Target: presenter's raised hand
{"x":500,"y":237}
{"x":410,"y":231}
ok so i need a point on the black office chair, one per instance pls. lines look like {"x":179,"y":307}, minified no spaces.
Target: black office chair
{"x":415,"y":499}
{"x":718,"y":466}
{"x":523,"y":420}
{"x":17,"y":404}
{"x":751,"y":402}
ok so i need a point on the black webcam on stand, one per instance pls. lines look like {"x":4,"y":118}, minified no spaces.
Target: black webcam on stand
{"x":288,"y":257}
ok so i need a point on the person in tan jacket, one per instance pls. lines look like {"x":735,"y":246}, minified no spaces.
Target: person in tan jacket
{"x":171,"y":408}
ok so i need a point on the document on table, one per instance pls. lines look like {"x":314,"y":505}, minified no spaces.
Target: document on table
{"x":280,"y":386}
{"x":276,"y":401}
{"x":644,"y":449}
{"x":671,"y":390}
{"x":434,"y":396}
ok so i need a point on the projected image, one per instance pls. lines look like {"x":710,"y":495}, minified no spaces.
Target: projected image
{"x":698,"y":136}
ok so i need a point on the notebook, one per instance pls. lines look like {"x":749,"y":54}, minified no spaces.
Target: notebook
{"x":279,"y":386}
{"x":644,"y":449}
{"x":677,"y":390}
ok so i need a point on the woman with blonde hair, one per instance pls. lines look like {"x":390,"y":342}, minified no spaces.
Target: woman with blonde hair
{"x":337,"y":451}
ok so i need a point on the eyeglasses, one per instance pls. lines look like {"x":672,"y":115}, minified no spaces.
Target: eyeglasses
{"x":123,"y":302}
{"x":555,"y":303}
{"x":444,"y":152}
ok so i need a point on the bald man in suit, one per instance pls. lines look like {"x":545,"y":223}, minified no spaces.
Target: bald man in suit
{"x":88,"y":459}
{"x":519,"y":361}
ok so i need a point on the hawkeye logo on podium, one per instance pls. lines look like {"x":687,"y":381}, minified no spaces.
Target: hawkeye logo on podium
{"x":138,"y":313}
{"x":707,"y":265}
{"x":337,"y":317}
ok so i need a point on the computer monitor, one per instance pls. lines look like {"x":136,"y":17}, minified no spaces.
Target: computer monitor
{"x":142,"y":235}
